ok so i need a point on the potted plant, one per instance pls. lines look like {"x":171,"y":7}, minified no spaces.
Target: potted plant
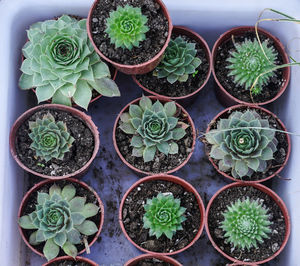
{"x":152,"y":259}
{"x":247,"y":143}
{"x":247,"y":223}
{"x":131,"y":36}
{"x":69,"y":261}
{"x":153,"y":135}
{"x":184,"y":70}
{"x":59,"y":217}
{"x":239,"y":59}
{"x":54,"y":141}
{"x":161,"y":214}
{"x":61,"y":64}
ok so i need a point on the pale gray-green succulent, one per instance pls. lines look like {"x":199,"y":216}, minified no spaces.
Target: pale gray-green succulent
{"x":62,"y":65}
{"x":60,"y":220}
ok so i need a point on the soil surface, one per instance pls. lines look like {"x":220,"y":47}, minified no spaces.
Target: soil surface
{"x":279,"y":155}
{"x":163,"y":87}
{"x":155,"y":37}
{"x":70,"y":263}
{"x":264,"y":250}
{"x":79,"y":154}
{"x":133,"y":213}
{"x":80,"y":191}
{"x":152,"y":261}
{"x":269,"y":91}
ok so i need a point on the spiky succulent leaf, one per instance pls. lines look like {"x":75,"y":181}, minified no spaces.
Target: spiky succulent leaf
{"x":246,"y":223}
{"x":126,"y":27}
{"x":164,"y":215}
{"x":61,"y":64}
{"x":248,"y":61}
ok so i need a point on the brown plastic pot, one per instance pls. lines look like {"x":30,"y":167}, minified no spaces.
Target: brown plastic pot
{"x":67,"y":258}
{"x":186,"y":99}
{"x":224,"y":114}
{"x":133,"y":69}
{"x":74,"y":112}
{"x":222,"y":94}
{"x":166,"y":259}
{"x":270,"y":193}
{"x":187,"y":186}
{"x":141,"y":172}
{"x":49,"y":181}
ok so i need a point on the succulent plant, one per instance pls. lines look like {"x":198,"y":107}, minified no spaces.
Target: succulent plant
{"x":153,"y":127}
{"x":50,"y":139}
{"x":179,"y":61}
{"x":249,"y":61}
{"x":60,"y":220}
{"x":243,"y":143}
{"x":246,"y":223}
{"x":60,"y":62}
{"x":164,"y":215}
{"x":126,"y":27}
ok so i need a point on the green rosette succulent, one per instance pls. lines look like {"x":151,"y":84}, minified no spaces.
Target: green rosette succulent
{"x":126,"y":27}
{"x":243,"y":143}
{"x":60,"y":220}
{"x":246,"y":223}
{"x":179,"y":61}
{"x":153,"y":127}
{"x":61,"y":63}
{"x":164,"y":215}
{"x":50,"y":139}
{"x":249,"y":61}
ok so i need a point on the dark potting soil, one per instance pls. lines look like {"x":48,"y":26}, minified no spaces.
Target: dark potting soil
{"x":163,"y":87}
{"x":279,"y":155}
{"x":79,"y":154}
{"x":264,"y":250}
{"x":269,"y":91}
{"x":155,"y":37}
{"x":162,"y":163}
{"x":152,"y":261}
{"x":80,"y":191}
{"x":133,"y":212}
{"x":70,"y":263}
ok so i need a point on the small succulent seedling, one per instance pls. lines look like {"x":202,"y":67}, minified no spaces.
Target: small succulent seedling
{"x":179,"y":61}
{"x":60,"y":220}
{"x":249,"y":61}
{"x":126,"y":27}
{"x":164,"y":215}
{"x":153,"y":127}
{"x":61,"y":63}
{"x":240,"y":148}
{"x":246,"y":223}
{"x":50,"y":139}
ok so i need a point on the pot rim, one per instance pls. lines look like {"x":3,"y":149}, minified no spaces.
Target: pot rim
{"x":68,"y":258}
{"x":149,"y":256}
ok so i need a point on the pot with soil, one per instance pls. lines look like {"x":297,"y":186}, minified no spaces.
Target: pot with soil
{"x":152,"y":259}
{"x":238,"y":60}
{"x":60,"y":217}
{"x":184,"y":70}
{"x":69,"y":261}
{"x":154,"y":135}
{"x":247,"y":143}
{"x":162,"y":214}
{"x":54,"y":141}
{"x":131,"y":36}
{"x":62,"y":69}
{"x":247,"y":223}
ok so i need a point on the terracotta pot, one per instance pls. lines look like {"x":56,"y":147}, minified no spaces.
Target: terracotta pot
{"x":222,"y":94}
{"x":49,"y":181}
{"x":279,"y":202}
{"x":133,"y":69}
{"x":225,"y":114}
{"x":135,"y":260}
{"x":141,"y":172}
{"x":67,"y":258}
{"x":187,"y":186}
{"x":74,"y":112}
{"x":187,"y":99}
